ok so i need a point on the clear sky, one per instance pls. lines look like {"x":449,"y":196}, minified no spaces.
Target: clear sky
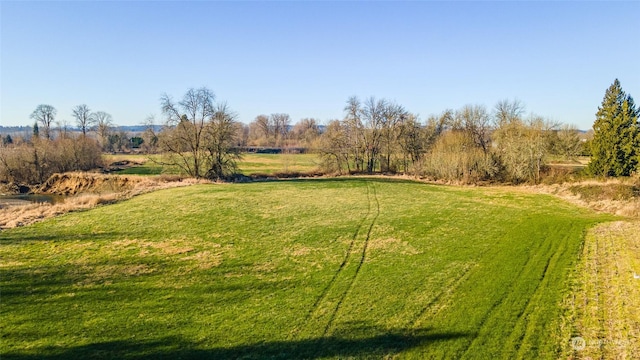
{"x":307,"y":58}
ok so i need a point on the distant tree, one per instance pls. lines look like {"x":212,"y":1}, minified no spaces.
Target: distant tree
{"x":335,"y":147}
{"x":7,"y":140}
{"x":373,"y":120}
{"x":36,"y":130}
{"x":567,"y":142}
{"x":222,"y":154}
{"x":507,"y":111}
{"x":354,"y":131}
{"x":393,"y":116}
{"x":104,"y":124}
{"x":118,"y":141}
{"x":45,"y":115}
{"x":522,"y":146}
{"x":84,"y":118}
{"x":150,"y":143}
{"x":412,"y":141}
{"x":63,"y":128}
{"x":136,"y":142}
{"x":280,"y":123}
{"x":615,"y":147}
{"x":306,"y":131}
{"x":264,"y":126}
{"x":475,"y":121}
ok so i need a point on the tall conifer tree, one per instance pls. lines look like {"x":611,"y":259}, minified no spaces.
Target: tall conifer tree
{"x":615,"y":147}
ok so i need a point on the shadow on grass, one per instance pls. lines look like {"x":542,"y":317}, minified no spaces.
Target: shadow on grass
{"x":339,"y":179}
{"x":11,"y":237}
{"x":176,"y":348}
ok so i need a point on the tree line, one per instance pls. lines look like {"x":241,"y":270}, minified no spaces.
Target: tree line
{"x":203,"y":138}
{"x":473,"y":144}
{"x":31,"y":160}
{"x":470,"y":144}
{"x":100,"y":123}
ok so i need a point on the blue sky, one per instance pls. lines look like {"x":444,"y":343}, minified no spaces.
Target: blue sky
{"x":307,"y":58}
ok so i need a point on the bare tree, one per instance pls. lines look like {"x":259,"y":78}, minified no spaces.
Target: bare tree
{"x":104,"y":124}
{"x":83,"y":117}
{"x":264,"y":126}
{"x":507,"y":111}
{"x":412,"y":141}
{"x":149,"y":136}
{"x":198,"y":134}
{"x":373,"y":120}
{"x":355,"y":131}
{"x":280,"y":124}
{"x":222,"y":154}
{"x":568,"y":143}
{"x":393,"y":115}
{"x":183,"y":139}
{"x":476,"y":122}
{"x":45,"y":115}
{"x":334,"y":147}
{"x":522,"y":147}
{"x":63,"y":128}
{"x":306,"y":131}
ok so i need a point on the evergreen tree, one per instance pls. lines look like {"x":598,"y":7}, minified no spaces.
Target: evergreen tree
{"x":36,"y":131}
{"x":615,"y":147}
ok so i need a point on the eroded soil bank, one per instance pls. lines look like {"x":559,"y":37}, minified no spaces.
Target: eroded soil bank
{"x":83,"y":191}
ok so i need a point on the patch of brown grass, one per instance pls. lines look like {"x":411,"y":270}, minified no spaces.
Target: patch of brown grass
{"x":91,"y":275}
{"x":392,"y":245}
{"x":615,"y":196}
{"x":299,"y":250}
{"x":205,"y":259}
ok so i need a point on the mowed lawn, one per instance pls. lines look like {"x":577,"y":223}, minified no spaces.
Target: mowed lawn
{"x":323,"y":268}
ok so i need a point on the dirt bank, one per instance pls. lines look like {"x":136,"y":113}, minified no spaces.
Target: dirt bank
{"x":84,"y":191}
{"x":82,"y":183}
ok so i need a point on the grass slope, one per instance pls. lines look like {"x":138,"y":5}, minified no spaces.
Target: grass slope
{"x":297,"y":269}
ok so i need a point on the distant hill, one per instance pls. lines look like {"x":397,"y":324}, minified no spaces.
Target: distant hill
{"x":28,"y":129}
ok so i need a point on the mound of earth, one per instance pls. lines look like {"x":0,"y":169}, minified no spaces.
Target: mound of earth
{"x":76,"y":183}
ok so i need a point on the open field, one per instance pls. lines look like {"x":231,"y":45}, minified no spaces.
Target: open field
{"x":323,"y":268}
{"x":278,"y":163}
{"x":249,"y":164}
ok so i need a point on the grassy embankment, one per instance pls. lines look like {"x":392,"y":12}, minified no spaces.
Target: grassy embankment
{"x":311,"y":269}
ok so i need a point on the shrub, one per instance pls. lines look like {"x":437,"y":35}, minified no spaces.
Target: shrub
{"x":32,"y":163}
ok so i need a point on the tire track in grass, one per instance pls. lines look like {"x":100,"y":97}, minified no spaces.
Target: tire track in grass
{"x":531,"y":260}
{"x":331,"y":284}
{"x":443,"y":295}
{"x":525,"y":325}
{"x":446,"y":294}
{"x":362,"y":259}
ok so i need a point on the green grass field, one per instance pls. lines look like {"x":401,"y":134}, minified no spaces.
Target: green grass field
{"x":323,"y":268}
{"x":250,"y":164}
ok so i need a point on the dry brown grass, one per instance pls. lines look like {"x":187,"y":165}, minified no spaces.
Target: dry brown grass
{"x":614,"y":196}
{"x":86,"y":190}
{"x":603,"y":307}
{"x":392,"y":245}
